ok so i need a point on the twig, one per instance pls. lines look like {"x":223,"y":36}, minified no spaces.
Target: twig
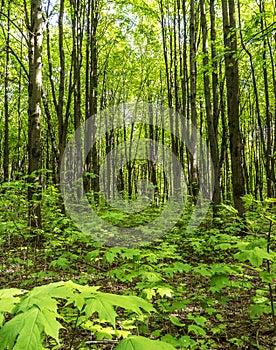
{"x":104,"y":341}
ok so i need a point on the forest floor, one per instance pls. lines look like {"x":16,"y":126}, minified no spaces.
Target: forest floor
{"x":205,"y":298}
{"x":24,"y":268}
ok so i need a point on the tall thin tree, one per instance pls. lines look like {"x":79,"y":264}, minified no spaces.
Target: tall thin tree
{"x":211,"y":117}
{"x":6,"y":101}
{"x":34,"y":111}
{"x":232,"y":84}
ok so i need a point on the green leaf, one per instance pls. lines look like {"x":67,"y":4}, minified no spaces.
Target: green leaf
{"x":257,"y":310}
{"x":104,"y":309}
{"x":50,"y":324}
{"x":151,"y":276}
{"x":149,"y":293}
{"x":197,"y":330}
{"x":92,"y":255}
{"x":223,"y":246}
{"x":141,"y":343}
{"x":174,"y":320}
{"x":170,"y":339}
{"x":255,"y":256}
{"x":176,"y":267}
{"x":180,"y":267}
{"x":9,"y":298}
{"x":36,"y":313}
{"x":164,"y":291}
{"x":267,"y":277}
{"x":130,"y":253}
{"x":75,"y":293}
{"x":110,"y":255}
{"x":37,"y":297}
{"x":199,"y":320}
{"x":103,"y":304}
{"x":186,"y":342}
{"x":22,"y":332}
{"x":210,"y":310}
{"x":203,"y":270}
{"x":218,"y":282}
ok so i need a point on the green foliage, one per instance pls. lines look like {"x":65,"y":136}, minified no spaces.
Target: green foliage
{"x":36,"y":314}
{"x":255,"y":255}
{"x":141,"y":343}
{"x":190,"y":280}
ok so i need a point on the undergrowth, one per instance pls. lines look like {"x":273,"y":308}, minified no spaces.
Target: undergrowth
{"x":211,"y":289}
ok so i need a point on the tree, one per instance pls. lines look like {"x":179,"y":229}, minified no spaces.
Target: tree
{"x":232,"y":84}
{"x":211,"y":115}
{"x":34,"y":111}
{"x":91,"y":93}
{"x":100,"y":54}
{"x":6,"y":102}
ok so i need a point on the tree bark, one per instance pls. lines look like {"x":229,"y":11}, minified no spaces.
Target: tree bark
{"x":192,"y":154}
{"x":211,"y":117}
{"x":6,"y":103}
{"x":92,"y":162}
{"x":34,"y":112}
{"x":232,"y":84}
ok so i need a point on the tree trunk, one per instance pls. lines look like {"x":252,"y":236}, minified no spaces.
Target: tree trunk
{"x":192,"y":153}
{"x":232,"y":84}
{"x":92,"y":162}
{"x":34,"y":111}
{"x":6,"y":103}
{"x":211,"y":119}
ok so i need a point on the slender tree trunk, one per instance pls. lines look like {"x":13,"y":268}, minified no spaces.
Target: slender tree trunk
{"x":184,"y":65}
{"x":34,"y":111}
{"x":62,"y":126}
{"x":215,"y":82}
{"x":273,"y":120}
{"x":192,"y":154}
{"x":92,"y":161}
{"x":6,"y":103}
{"x":170,"y":59}
{"x":77,"y":33}
{"x":20,"y":163}
{"x":61,"y":102}
{"x":77,"y":18}
{"x":232,"y":84}
{"x":270,"y":158}
{"x":255,"y":89}
{"x":211,"y":121}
